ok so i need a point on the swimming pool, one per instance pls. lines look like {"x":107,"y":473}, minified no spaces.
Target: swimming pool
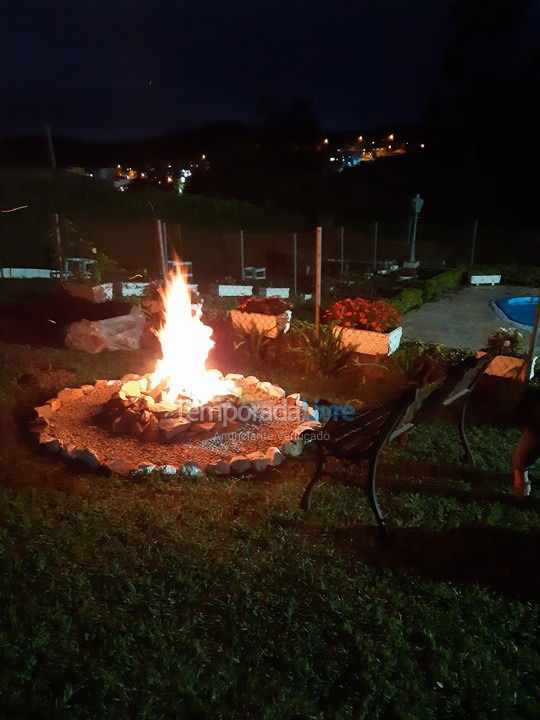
{"x":519,"y":310}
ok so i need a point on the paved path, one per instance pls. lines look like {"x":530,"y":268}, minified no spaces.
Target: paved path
{"x":463,"y":319}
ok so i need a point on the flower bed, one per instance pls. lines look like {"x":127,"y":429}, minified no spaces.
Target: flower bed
{"x":368,"y":326}
{"x":269,"y":316}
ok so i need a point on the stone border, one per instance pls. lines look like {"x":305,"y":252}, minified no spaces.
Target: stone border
{"x":257,"y":461}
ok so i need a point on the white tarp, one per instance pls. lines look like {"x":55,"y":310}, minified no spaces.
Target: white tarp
{"x":116,"y":333}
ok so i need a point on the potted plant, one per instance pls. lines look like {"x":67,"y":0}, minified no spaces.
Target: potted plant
{"x":269,"y":316}
{"x":368,"y":326}
{"x":510,"y":361}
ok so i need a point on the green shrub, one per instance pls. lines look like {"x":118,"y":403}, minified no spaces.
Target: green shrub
{"x":510,"y":275}
{"x":439,"y":285}
{"x":407,"y":299}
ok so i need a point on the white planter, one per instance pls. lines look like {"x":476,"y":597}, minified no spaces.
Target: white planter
{"x":234,"y":290}
{"x":283,"y":292}
{"x":485,"y":279}
{"x":511,"y":368}
{"x":369,"y":342}
{"x":269,"y":325}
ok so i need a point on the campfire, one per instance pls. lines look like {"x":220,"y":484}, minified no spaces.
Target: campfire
{"x":182,"y":415}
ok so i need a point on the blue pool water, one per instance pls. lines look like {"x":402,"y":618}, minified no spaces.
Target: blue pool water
{"x":518,"y":309}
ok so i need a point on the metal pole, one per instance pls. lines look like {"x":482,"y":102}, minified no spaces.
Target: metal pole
{"x":473,"y":244}
{"x":318,"y":262}
{"x":295,"y":263}
{"x":59,"y":259}
{"x":161,"y":259}
{"x":412,"y":257}
{"x":532,"y":342}
{"x":342,"y":242}
{"x":242,"y":252}
{"x":51,"y":146}
{"x":375,"y":240}
{"x":165,"y":245}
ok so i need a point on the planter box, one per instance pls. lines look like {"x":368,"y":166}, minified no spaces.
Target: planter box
{"x":508,"y":367}
{"x":282,"y":292}
{"x":368,"y":342}
{"x":485,"y":279}
{"x":269,"y":325}
{"x":234,"y":290}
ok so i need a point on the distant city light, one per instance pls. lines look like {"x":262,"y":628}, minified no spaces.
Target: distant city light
{"x":203,"y":157}
{"x":325,"y":141}
{"x":360,"y":138}
{"x":169,"y":178}
{"x":391,"y":136}
{"x":422,"y":145}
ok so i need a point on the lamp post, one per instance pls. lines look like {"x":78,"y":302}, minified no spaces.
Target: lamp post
{"x":417,"y":204}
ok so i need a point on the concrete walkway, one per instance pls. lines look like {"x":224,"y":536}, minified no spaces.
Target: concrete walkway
{"x":463,"y":319}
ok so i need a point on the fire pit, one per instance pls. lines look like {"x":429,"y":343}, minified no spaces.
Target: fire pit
{"x":179,"y":418}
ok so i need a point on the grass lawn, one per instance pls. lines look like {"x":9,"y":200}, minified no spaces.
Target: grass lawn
{"x":218,"y":598}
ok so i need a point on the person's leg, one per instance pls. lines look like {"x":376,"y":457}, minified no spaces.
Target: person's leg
{"x":525,"y":455}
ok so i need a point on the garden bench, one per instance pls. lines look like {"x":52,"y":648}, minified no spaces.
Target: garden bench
{"x":362,"y":437}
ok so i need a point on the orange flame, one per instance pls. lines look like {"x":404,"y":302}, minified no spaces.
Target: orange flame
{"x":185,"y":343}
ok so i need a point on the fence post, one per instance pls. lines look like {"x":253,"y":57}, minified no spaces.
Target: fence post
{"x":532,"y":341}
{"x":318,"y":262}
{"x":242,"y":252}
{"x":375,"y":240}
{"x":58,"y":248}
{"x":165,"y":245}
{"x":473,"y":243}
{"x":342,"y":244}
{"x":295,"y":263}
{"x":161,"y":258}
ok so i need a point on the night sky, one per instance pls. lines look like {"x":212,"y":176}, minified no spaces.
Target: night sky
{"x":107,"y":69}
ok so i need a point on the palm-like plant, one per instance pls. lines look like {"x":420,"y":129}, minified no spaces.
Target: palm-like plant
{"x":323,"y":353}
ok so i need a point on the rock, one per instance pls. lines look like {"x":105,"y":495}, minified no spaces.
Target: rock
{"x":129,"y":376}
{"x":191,"y":469}
{"x":294,"y":448}
{"x":251,"y":380}
{"x":89,"y":457}
{"x":100,"y":384}
{"x":170,"y":428}
{"x":167,"y":470}
{"x":146,"y":402}
{"x":151,"y":431}
{"x":240,"y":464}
{"x":264,"y":386}
{"x":55,"y":404}
{"x":234,"y":376}
{"x":221,"y":467}
{"x":259,"y":461}
{"x":313,"y":413}
{"x":70,"y":451}
{"x":203,"y":427}
{"x":87,"y":389}
{"x":122,"y":467}
{"x":145,"y":469}
{"x":68,"y":394}
{"x":50,"y":444}
{"x":276,"y":392}
{"x":165,"y":407}
{"x":43,"y":411}
{"x":132,"y":388}
{"x":136,"y":430}
{"x":293,"y":398}
{"x":275,"y":455}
